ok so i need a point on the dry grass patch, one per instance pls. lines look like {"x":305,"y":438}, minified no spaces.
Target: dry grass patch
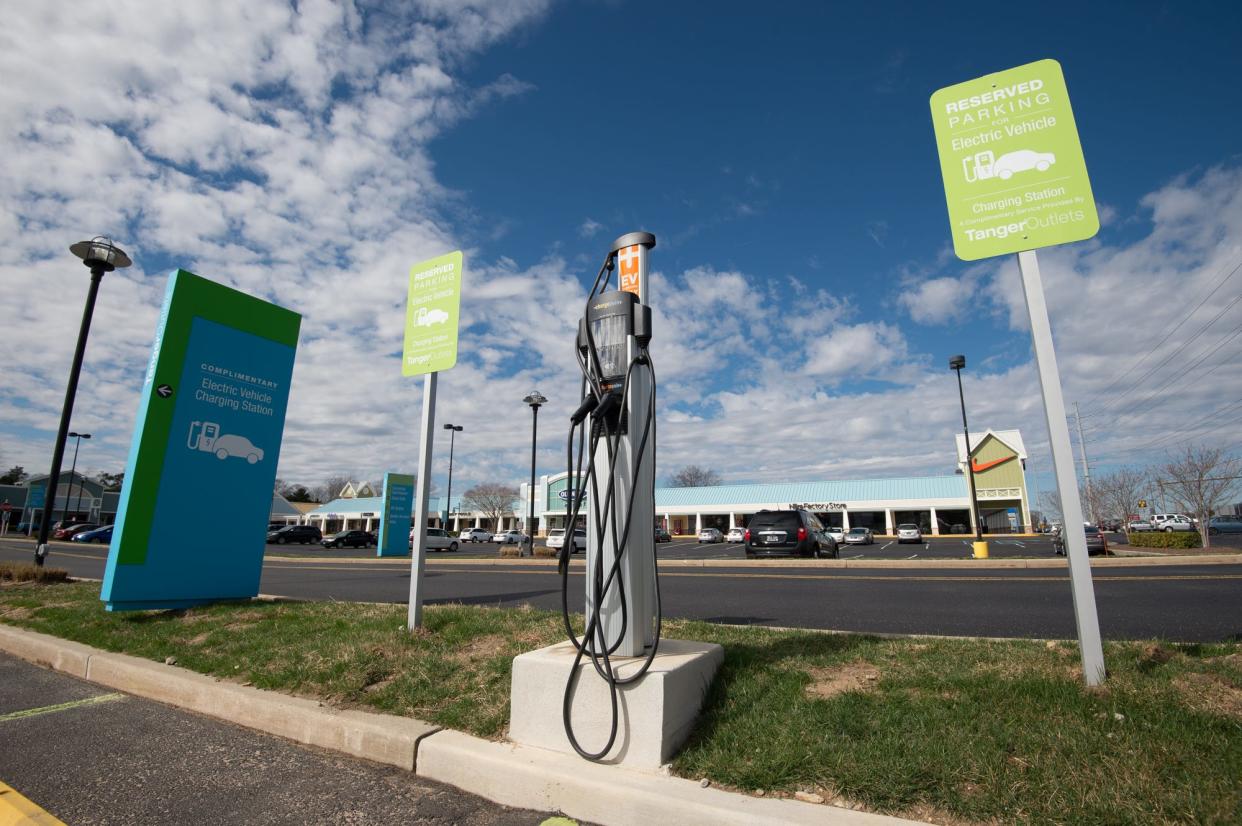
{"x":22,"y":572}
{"x":1211,"y":693}
{"x":838,"y":679}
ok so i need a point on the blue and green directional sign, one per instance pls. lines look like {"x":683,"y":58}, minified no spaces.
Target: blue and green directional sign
{"x":192,"y":518}
{"x":394,"y":538}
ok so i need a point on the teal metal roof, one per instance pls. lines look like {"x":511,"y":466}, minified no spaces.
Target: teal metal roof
{"x":375,"y":504}
{"x":853,"y":490}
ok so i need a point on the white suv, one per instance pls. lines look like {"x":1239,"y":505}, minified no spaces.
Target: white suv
{"x":1159,"y":519}
{"x":556,"y":539}
{"x":437,"y":540}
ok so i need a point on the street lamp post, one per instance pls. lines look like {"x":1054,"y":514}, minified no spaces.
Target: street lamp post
{"x":535,"y":400}
{"x":453,"y":429}
{"x":956,"y":364}
{"x":78,"y":437}
{"x":101,"y":256}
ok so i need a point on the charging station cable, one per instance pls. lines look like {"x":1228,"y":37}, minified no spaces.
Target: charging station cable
{"x":591,"y":424}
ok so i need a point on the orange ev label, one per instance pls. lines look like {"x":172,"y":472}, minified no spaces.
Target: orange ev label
{"x":628,"y":258}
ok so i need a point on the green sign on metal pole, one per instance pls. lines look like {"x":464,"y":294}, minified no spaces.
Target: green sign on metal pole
{"x":431,"y":315}
{"x":1014,"y":174}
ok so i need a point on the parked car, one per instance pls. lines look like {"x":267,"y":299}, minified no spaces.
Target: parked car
{"x":101,"y":535}
{"x":68,"y":531}
{"x":662,"y":535}
{"x":1159,"y":519}
{"x":508,"y":537}
{"x":1139,"y":526}
{"x":736,"y":534}
{"x":556,"y":540}
{"x":1097,"y":543}
{"x":836,"y":532}
{"x":860,"y":536}
{"x":302,"y":534}
{"x":1177,"y":523}
{"x":908,"y":532}
{"x":476,"y":535}
{"x":710,"y":535}
{"x":438,"y":539}
{"x":1224,"y":524}
{"x":348,"y":539}
{"x":788,"y":533}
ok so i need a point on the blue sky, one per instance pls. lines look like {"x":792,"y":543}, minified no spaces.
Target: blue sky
{"x":807,"y":296}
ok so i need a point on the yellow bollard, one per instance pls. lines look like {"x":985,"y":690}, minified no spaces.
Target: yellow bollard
{"x":981,"y":550}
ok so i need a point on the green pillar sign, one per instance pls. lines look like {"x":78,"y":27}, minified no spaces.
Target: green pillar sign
{"x":431,"y":316}
{"x":1014,"y":174}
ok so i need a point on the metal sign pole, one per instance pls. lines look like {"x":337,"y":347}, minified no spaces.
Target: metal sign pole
{"x":418,"y":552}
{"x":1085,"y":615}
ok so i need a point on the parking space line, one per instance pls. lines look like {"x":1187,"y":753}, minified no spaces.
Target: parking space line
{"x":15,"y":809}
{"x":35,"y":712}
{"x":916,"y":556}
{"x":886,"y":544}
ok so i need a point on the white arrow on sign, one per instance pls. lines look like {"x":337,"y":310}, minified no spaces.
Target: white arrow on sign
{"x":164,"y":390}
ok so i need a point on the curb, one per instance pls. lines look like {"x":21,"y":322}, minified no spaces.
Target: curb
{"x":378,"y":737}
{"x":504,"y":773}
{"x":534,"y":778}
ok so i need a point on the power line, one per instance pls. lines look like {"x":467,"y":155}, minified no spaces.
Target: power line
{"x":1168,"y":335}
{"x":1187,"y":372}
{"x":1180,"y":437}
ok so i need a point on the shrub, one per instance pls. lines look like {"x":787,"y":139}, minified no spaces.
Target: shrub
{"x":510,"y":550}
{"x":545,"y":551}
{"x":29,"y":572}
{"x":1160,"y":539}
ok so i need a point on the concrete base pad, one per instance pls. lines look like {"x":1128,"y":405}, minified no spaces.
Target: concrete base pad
{"x":654,"y":715}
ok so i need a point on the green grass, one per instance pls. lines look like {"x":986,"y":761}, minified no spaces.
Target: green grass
{"x":939,"y":729}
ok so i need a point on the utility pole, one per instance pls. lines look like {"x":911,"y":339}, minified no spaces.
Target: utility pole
{"x":1086,"y":468}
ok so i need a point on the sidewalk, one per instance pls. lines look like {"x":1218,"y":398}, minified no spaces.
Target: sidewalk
{"x":512,"y":775}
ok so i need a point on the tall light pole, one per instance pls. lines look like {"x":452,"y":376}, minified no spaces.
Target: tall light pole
{"x":100,"y":255}
{"x":453,"y":429}
{"x":956,"y":364}
{"x":72,"y":471}
{"x":535,"y":400}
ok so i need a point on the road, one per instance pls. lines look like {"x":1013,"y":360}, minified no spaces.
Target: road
{"x":87,"y":754}
{"x":1177,"y":602}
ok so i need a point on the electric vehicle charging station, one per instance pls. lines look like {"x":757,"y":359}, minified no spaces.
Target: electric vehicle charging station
{"x":644,"y":704}
{"x":619,"y":326}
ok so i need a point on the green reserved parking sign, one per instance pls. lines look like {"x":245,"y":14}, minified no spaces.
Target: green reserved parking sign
{"x":1014,"y":174}
{"x":431,"y":315}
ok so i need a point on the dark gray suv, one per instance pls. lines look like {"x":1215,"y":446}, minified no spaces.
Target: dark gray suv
{"x":304,"y":534}
{"x":788,"y":533}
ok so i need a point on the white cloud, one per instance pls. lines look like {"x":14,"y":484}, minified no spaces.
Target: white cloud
{"x":283,"y":150}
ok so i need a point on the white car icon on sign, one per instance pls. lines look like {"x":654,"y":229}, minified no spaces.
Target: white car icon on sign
{"x":1021,"y":161}
{"x":427,"y":317}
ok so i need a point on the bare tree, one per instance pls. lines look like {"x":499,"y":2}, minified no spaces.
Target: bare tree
{"x":492,"y":499}
{"x":1199,"y":479}
{"x":1050,"y":504}
{"x":330,"y":488}
{"x":1120,"y":492}
{"x":693,"y":476}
